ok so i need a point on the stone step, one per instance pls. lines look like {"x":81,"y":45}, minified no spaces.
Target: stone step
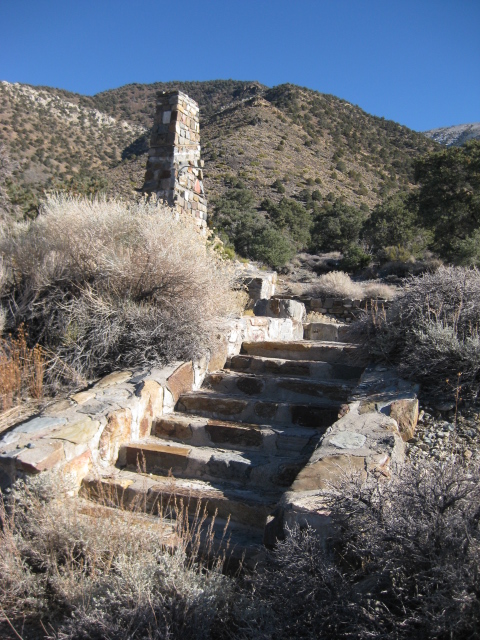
{"x":167,"y":496}
{"x":259,"y":365}
{"x":318,"y":415}
{"x":328,"y":331}
{"x":162,"y":457}
{"x":277,"y":388}
{"x":331,"y":352}
{"x":202,"y":432}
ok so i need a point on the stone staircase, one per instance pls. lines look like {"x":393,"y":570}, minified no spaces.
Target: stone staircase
{"x":238,"y":443}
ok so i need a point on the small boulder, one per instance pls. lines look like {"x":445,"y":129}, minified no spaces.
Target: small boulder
{"x":275,"y":308}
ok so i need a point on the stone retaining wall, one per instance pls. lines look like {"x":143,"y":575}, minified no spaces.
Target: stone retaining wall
{"x":87,"y":429}
{"x":343,"y":309}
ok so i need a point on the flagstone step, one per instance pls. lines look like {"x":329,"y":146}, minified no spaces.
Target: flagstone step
{"x":319,"y":351}
{"x":260,"y":365}
{"x":282,"y":388}
{"x":200,"y":431}
{"x":241,"y":468}
{"x":318,"y":415}
{"x":169,"y":497}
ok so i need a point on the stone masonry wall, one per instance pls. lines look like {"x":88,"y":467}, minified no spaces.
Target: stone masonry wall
{"x":342,"y":309}
{"x":88,"y":430}
{"x":174,"y":169}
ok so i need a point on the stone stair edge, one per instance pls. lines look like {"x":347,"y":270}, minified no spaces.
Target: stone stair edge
{"x":370,"y":437}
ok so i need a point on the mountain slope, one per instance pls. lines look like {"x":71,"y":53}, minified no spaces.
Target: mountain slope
{"x":456,"y":135}
{"x":294,"y":138}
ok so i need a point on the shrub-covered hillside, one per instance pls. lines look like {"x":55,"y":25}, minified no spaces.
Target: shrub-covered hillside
{"x":287,"y":135}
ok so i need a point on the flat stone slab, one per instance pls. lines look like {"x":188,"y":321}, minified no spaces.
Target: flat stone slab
{"x":43,"y":455}
{"x":36,"y":426}
{"x":114,"y":378}
{"x":348,"y":440}
{"x":80,"y":432}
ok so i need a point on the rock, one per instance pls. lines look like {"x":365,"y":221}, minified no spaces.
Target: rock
{"x":34,"y":426}
{"x":116,"y":433}
{"x":78,"y":467}
{"x":348,"y":440}
{"x":181,"y":380}
{"x":117,"y":377}
{"x":80,"y":432}
{"x":43,"y":457}
{"x":275,"y":308}
{"x":83,"y":396}
{"x":150,"y":394}
{"x":405,"y":412}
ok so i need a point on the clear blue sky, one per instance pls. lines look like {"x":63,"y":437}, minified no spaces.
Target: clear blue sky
{"x":413,"y":61}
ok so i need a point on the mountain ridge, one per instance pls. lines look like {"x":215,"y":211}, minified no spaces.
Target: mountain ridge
{"x":455,"y":135}
{"x":280,"y":141}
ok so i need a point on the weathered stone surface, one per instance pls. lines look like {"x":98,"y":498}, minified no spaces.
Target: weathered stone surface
{"x":348,"y":440}
{"x":250,"y":386}
{"x":42,"y":456}
{"x":234,"y":433}
{"x":205,"y":402}
{"x":114,"y":378}
{"x":181,"y":380}
{"x":36,"y":426}
{"x":57,"y":407}
{"x":156,"y":457}
{"x":150,"y":408}
{"x":405,"y":412}
{"x":79,"y":467}
{"x":218,"y":354}
{"x":275,"y":308}
{"x":80,"y":432}
{"x":83,"y":396}
{"x":172,"y":428}
{"x":117,"y":432}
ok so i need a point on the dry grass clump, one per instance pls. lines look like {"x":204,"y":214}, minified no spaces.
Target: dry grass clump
{"x":431,"y":330}
{"x":106,"y":284}
{"x":22,"y":370}
{"x":378,"y":290}
{"x":337,"y":284}
{"x":90,"y":573}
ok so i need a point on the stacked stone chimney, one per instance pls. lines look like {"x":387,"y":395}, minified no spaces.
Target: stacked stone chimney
{"x":174,"y":168}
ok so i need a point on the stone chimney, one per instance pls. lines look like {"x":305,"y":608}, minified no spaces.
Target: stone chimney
{"x":174,"y":168}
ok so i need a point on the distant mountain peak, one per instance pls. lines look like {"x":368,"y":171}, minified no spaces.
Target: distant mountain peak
{"x":455,"y":135}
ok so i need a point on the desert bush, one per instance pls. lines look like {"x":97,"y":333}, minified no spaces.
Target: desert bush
{"x":379,"y":290}
{"x":105,"y":284}
{"x":355,"y":258}
{"x":404,"y":563}
{"x":431,"y":329}
{"x":337,"y":284}
{"x":91,"y":572}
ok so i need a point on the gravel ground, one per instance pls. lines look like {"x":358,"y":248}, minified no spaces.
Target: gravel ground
{"x":442,"y":434}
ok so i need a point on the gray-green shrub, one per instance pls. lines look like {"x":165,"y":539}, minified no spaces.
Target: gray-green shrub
{"x":106,"y":284}
{"x":431,"y":329}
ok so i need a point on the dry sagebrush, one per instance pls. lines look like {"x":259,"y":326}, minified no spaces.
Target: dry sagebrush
{"x":404,"y":566}
{"x":431,"y":330}
{"x":107,"y":284}
{"x":90,"y":573}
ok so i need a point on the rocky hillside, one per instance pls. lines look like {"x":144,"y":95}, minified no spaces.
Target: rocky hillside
{"x":283,"y":140}
{"x":455,"y":136}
